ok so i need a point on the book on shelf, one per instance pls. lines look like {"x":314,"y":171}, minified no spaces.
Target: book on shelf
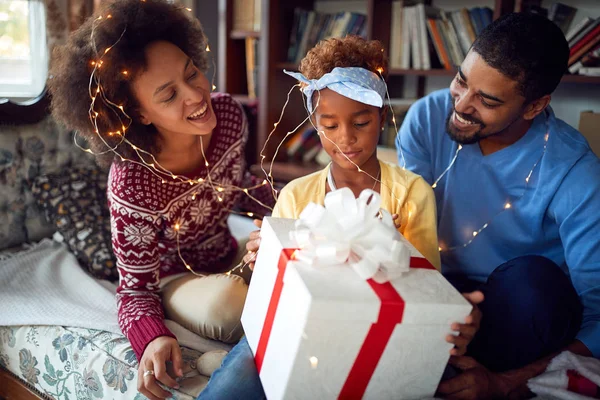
{"x":590,"y":71}
{"x":577,"y":29}
{"x":246,"y":15}
{"x":562,"y":15}
{"x":585,"y":45}
{"x":251,"y":65}
{"x":310,"y":27}
{"x":426,"y":37}
{"x":591,"y":59}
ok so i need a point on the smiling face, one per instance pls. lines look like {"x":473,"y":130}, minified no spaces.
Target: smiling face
{"x":173,"y":94}
{"x":353,"y":126}
{"x":485,"y":102}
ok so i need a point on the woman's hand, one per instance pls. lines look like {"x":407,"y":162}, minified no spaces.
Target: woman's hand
{"x":253,"y":245}
{"x":466,"y":331}
{"x":155,"y":357}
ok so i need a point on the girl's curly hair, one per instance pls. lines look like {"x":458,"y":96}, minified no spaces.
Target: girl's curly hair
{"x":132,"y":25}
{"x":351,"y":51}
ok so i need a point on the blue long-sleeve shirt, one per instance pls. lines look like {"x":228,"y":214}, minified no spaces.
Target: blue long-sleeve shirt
{"x":558,"y":215}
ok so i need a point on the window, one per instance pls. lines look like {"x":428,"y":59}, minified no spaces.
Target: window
{"x":23,"y":48}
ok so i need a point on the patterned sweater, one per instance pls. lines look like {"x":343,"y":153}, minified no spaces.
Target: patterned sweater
{"x":145,"y":212}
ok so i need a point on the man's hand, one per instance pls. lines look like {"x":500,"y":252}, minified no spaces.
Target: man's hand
{"x":475,"y":382}
{"x":155,"y":357}
{"x":466,"y":331}
{"x":253,"y":245}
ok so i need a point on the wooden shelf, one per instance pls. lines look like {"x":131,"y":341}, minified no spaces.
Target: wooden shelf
{"x":581,"y":79}
{"x":445,"y":72}
{"x":286,"y":171}
{"x":238,"y":34}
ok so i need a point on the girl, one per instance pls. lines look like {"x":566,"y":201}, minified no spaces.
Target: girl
{"x":343,"y":83}
{"x":131,"y":81}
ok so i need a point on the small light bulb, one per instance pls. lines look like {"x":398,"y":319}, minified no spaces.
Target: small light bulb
{"x":220,"y":189}
{"x":250,"y":214}
{"x":314,"y":362}
{"x":380,"y":70}
{"x":189,"y":9}
{"x":200,"y":180}
{"x":219,"y":198}
{"x":507,"y":206}
{"x":434,"y":185}
{"x":246,"y":191}
{"x":176,"y":227}
{"x":474,"y":234}
{"x":207,"y":47}
{"x":214,"y":87}
{"x":439,"y":249}
{"x":125,"y":72}
{"x":107,"y":50}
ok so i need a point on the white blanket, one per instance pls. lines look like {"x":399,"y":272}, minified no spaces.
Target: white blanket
{"x":554,"y":383}
{"x":45,"y":286}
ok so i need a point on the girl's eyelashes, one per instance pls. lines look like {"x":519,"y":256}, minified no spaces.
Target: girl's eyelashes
{"x":194,"y":75}
{"x":362,"y":124}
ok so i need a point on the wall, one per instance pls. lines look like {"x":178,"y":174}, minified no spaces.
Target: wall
{"x":208,"y":14}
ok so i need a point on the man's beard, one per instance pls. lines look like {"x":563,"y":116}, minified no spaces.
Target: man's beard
{"x":455,"y":134}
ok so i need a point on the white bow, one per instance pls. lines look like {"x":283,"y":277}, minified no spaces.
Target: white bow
{"x":348,"y":229}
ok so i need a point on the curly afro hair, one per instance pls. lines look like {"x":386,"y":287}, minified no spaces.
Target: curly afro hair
{"x":351,"y":51}
{"x":129,"y":26}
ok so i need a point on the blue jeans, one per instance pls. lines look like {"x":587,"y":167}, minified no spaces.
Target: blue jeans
{"x":237,"y":378}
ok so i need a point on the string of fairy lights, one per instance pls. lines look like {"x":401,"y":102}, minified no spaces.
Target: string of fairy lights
{"x":97,"y":93}
{"x":509,"y":204}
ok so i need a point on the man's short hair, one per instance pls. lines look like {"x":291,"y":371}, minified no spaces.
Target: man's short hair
{"x":528,"y":48}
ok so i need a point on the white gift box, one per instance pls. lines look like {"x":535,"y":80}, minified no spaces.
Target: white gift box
{"x":324,"y":333}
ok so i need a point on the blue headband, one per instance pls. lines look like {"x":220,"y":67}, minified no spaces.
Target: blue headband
{"x":355,"y":83}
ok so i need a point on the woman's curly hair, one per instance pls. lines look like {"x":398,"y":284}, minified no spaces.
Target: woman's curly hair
{"x":132,"y":25}
{"x":351,"y":51}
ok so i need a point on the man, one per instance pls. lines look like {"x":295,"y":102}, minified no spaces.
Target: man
{"x":518,"y":194}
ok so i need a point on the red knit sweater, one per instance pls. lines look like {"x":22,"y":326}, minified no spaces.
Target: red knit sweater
{"x":144,"y":212}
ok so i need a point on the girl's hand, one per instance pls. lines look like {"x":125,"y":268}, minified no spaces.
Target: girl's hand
{"x":253,"y":245}
{"x":466,"y":331}
{"x":153,"y":367}
{"x":396,"y":219}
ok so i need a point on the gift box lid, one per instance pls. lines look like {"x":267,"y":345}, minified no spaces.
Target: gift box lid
{"x":338,"y":293}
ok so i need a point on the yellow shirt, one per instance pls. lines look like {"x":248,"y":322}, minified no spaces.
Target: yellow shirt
{"x":402,"y":192}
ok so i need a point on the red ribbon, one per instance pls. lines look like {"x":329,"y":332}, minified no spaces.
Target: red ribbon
{"x":580,"y":384}
{"x":286,"y":255}
{"x":390,"y":314}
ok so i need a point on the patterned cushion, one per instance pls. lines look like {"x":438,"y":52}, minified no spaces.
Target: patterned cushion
{"x":75,"y":203}
{"x":27,"y":151}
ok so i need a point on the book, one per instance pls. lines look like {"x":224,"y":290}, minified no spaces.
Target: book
{"x":562,"y":15}
{"x":584,"y":41}
{"x":438,"y":43}
{"x":590,"y":71}
{"x":251,"y":66}
{"x":584,"y":49}
{"x":584,"y":32}
{"x":584,"y":23}
{"x":395,"y":51}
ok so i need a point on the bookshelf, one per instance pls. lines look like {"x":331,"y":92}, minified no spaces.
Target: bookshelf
{"x":277,"y":17}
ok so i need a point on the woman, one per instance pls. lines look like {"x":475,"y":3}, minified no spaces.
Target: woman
{"x":131,"y":82}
